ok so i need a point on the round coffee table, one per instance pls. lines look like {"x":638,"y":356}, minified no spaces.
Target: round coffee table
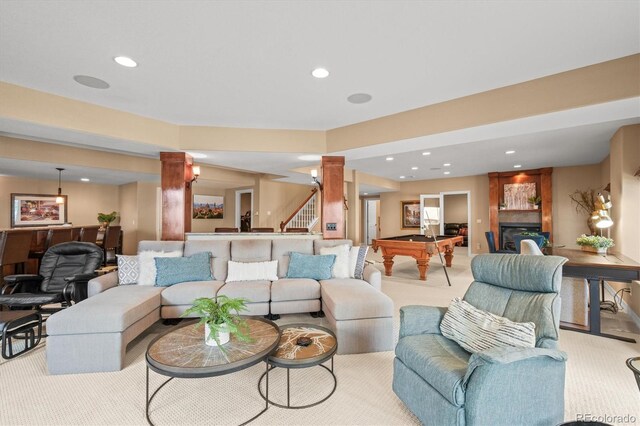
{"x":181,"y":352}
{"x":292,"y":352}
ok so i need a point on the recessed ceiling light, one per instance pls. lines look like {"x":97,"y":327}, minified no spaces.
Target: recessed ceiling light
{"x":125,"y":61}
{"x":366,"y":193}
{"x":426,"y":153}
{"x":359,"y":98}
{"x":401,"y":177}
{"x":310,"y":157}
{"x":446,"y":173}
{"x":517,"y":166}
{"x":320,"y":73}
{"x":85,"y":179}
{"x":94,"y":83}
{"x":389,"y":158}
{"x":446,"y":164}
{"x":197,"y":155}
{"x":414,"y":168}
{"x":510,"y":152}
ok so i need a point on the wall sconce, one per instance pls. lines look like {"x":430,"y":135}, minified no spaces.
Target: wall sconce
{"x":195,"y":172}
{"x":59,"y":198}
{"x":601,"y":216}
{"x":314,"y":176}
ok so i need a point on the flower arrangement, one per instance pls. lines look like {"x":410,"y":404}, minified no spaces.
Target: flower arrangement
{"x":595,"y":241}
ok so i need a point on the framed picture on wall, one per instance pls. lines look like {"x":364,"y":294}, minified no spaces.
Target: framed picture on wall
{"x":37,"y":210}
{"x":208,"y":207}
{"x":411,"y":214}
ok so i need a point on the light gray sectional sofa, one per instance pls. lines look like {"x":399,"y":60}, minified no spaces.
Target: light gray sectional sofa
{"x":92,"y":335}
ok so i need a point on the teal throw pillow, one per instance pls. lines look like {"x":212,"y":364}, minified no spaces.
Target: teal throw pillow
{"x":316,"y":267}
{"x":173,"y":270}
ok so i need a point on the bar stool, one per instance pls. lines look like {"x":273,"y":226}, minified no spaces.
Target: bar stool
{"x":111,"y":241}
{"x":261,"y":229}
{"x":14,"y":248}
{"x":89,"y":234}
{"x":226,"y":230}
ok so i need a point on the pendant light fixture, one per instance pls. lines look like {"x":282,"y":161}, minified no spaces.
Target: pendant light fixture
{"x":59,"y":198}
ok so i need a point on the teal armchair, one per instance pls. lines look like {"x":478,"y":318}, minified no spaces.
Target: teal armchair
{"x":442,"y":384}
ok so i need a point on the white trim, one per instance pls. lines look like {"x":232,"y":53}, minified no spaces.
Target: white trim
{"x":158,"y":213}
{"x":237,"y":217}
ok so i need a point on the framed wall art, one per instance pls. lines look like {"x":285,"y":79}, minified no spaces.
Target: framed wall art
{"x":208,"y":207}
{"x":516,"y":195}
{"x":411,"y":214}
{"x":37,"y":210}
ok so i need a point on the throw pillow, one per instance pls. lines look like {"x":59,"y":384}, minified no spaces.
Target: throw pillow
{"x":128,"y":270}
{"x":147,"y":265}
{"x":341,"y":265}
{"x":173,"y":270}
{"x":315,"y":267}
{"x":476,"y":330}
{"x":252,"y":271}
{"x":357,"y":256}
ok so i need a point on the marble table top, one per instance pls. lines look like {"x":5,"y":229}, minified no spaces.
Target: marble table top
{"x":182,"y":352}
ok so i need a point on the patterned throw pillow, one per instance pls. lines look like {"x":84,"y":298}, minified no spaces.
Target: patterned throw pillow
{"x":174,"y":270}
{"x":476,"y":330}
{"x":128,"y":270}
{"x":357,"y":257}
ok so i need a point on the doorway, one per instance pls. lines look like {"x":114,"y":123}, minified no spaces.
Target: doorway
{"x":244,"y":209}
{"x":456,"y":214}
{"x":371,"y":219}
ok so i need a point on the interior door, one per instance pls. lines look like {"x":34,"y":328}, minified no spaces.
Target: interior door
{"x":372,"y":225}
{"x":431,"y":214}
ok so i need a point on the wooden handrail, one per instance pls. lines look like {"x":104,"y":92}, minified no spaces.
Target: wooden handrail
{"x":284,"y":224}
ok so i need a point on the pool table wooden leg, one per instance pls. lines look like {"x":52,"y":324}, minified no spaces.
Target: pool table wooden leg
{"x":388,"y":264}
{"x":423,"y":267}
{"x":448,"y":256}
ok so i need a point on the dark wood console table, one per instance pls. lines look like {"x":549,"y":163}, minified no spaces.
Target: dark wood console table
{"x":595,"y":268}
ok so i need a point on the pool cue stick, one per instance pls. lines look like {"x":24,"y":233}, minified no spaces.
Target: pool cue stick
{"x":435,"y":242}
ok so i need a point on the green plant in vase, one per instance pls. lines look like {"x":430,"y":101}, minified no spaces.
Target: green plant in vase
{"x":535,"y":201}
{"x":221,"y":319}
{"x":106,"y":218}
{"x":545,"y":241}
{"x":595,"y":243}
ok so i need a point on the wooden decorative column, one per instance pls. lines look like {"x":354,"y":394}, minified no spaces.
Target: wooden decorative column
{"x":176,"y":194}
{"x":332,"y":218}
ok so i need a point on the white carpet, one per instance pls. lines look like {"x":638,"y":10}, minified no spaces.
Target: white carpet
{"x":598,"y":382}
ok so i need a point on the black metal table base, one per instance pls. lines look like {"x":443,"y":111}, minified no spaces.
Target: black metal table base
{"x":148,"y":400}
{"x":266,"y":397}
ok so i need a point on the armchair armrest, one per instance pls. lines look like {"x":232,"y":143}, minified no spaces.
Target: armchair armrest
{"x":372,"y":275}
{"x":20,"y":282}
{"x":416,"y":319}
{"x":509,"y":355}
{"x":102,"y":283}
{"x":76,"y":287}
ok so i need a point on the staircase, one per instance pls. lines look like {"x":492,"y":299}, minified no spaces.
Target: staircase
{"x":305,"y":216}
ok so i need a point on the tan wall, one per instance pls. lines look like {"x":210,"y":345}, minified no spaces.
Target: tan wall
{"x":390,"y":214}
{"x":208,"y":225}
{"x":129,"y":216}
{"x":277,"y":201}
{"x":85,"y":199}
{"x":567,"y":223}
{"x":455,"y":208}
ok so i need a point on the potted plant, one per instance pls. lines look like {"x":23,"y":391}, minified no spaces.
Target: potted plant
{"x":540,"y":239}
{"x":221,"y":318}
{"x":594,"y":243}
{"x":534,"y":201}
{"x":106,"y":218}
{"x":503,"y":205}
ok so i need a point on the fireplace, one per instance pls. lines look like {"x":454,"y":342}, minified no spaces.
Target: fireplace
{"x":508,"y":230}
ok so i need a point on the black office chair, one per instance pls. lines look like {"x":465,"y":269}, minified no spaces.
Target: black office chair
{"x":491,"y":242}
{"x":65,"y":270}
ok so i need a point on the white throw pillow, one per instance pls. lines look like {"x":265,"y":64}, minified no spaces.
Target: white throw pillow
{"x":252,"y":271}
{"x":147,"y":265}
{"x":476,"y":330}
{"x":357,"y":256}
{"x":341,"y":265}
{"x":128,"y":270}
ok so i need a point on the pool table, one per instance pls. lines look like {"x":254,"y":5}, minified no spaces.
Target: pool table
{"x":419,"y":247}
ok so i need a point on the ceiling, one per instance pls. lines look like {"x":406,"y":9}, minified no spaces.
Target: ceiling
{"x":247,"y":64}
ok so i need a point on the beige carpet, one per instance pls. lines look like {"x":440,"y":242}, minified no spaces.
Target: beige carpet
{"x":598,"y":382}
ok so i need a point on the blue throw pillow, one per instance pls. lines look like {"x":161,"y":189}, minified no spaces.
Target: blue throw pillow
{"x":173,"y":270}
{"x":316,"y":267}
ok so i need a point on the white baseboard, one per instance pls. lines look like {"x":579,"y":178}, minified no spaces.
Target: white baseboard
{"x":627,"y":309}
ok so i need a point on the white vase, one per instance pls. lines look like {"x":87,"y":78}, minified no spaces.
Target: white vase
{"x":599,"y":250}
{"x":223,"y":336}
